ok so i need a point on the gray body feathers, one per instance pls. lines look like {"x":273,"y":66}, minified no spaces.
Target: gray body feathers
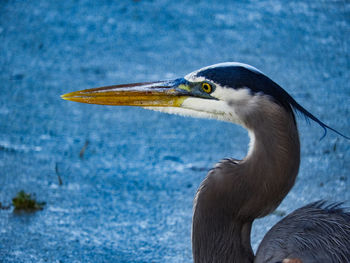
{"x":315,"y":233}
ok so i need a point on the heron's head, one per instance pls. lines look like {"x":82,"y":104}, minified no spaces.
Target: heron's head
{"x":220,"y":91}
{"x":227,"y":91}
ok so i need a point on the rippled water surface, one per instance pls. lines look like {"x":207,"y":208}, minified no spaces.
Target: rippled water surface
{"x":129,"y":198}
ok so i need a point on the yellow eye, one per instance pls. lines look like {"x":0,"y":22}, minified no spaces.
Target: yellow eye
{"x":207,"y":87}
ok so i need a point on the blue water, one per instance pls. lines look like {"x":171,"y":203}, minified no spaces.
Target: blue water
{"x":129,"y":199}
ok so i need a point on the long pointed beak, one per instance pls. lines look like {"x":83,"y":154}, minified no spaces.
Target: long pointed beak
{"x":151,"y":94}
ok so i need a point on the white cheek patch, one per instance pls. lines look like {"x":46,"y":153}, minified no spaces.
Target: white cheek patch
{"x":214,"y":109}
{"x":233,"y":96}
{"x":206,"y":105}
{"x":203,"y":108}
{"x":241,"y":101}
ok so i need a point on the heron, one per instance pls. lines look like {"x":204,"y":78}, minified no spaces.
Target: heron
{"x":236,"y":192}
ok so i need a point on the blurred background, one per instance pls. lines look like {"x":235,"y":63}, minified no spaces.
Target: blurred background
{"x":119,"y":182}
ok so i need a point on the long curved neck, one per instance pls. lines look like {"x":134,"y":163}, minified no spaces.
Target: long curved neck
{"x":234,"y":193}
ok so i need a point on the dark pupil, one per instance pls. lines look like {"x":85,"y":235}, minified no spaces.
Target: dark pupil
{"x":206,"y":87}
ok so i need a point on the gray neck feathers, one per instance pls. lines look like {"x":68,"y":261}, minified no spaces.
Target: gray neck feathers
{"x":234,"y":193}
